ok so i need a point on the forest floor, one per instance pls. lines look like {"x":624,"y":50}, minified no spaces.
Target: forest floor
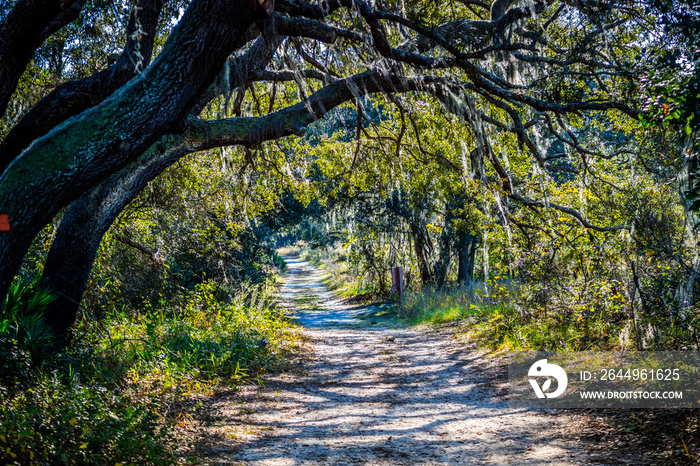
{"x":369,"y":391}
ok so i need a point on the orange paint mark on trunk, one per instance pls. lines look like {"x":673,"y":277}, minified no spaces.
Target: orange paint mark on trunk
{"x":4,"y":222}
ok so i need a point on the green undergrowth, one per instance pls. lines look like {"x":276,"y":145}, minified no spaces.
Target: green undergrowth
{"x":344,"y":287}
{"x":204,"y":341}
{"x":279,"y":262}
{"x":114,"y":394}
{"x":316,"y":257}
{"x":337,"y":277}
{"x":502,"y":324}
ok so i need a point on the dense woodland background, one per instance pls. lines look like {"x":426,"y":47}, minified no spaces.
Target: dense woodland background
{"x":532,"y":165}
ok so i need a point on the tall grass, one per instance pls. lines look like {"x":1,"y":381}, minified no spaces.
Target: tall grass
{"x":438,"y":307}
{"x":318,"y":257}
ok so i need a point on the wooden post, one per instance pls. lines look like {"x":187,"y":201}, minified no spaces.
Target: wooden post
{"x":397,"y":283}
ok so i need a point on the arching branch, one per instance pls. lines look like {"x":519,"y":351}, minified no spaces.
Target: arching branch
{"x":57,"y":168}
{"x":73,"y":251}
{"x":78,"y":95}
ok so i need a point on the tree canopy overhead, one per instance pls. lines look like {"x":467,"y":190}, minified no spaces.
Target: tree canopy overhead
{"x":555,"y":81}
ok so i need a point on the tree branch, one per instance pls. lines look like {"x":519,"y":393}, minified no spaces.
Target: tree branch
{"x":75,"y":156}
{"x":78,"y":95}
{"x":153,"y":256}
{"x":24,"y":29}
{"x":567,"y":210}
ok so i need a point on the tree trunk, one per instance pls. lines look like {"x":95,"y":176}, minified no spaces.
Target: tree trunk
{"x":72,"y":253}
{"x":442,"y":266}
{"x":422,"y":247}
{"x":74,"y":157}
{"x":78,"y":95}
{"x":466,"y":254}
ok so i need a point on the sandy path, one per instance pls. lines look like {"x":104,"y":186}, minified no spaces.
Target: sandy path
{"x":381,"y":396}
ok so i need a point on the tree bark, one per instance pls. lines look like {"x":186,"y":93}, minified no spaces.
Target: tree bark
{"x":72,"y":158}
{"x":78,"y":95}
{"x":442,"y":266}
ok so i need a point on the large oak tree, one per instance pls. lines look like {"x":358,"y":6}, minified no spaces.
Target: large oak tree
{"x":93,"y":143}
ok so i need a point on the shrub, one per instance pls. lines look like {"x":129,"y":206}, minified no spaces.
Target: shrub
{"x":203,"y":339}
{"x":54,"y":424}
{"x":106,"y":398}
{"x":500,"y":321}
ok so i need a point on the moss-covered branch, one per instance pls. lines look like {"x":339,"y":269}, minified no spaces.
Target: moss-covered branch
{"x":81,"y":152}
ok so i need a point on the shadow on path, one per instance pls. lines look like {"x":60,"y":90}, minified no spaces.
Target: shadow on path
{"x":383,"y":396}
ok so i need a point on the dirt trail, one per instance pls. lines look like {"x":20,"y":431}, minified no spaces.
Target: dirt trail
{"x":381,"y":396}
